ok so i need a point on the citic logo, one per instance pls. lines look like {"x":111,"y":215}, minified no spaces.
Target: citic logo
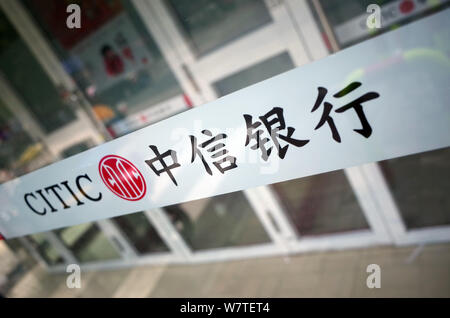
{"x":122,"y":178}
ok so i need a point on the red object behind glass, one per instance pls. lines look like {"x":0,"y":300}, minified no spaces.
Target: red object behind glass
{"x":112,"y":61}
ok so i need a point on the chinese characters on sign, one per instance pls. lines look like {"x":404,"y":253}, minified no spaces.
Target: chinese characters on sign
{"x":356,"y":104}
{"x":218,"y":152}
{"x":277,"y":118}
{"x":267,"y":133}
{"x":160,"y":158}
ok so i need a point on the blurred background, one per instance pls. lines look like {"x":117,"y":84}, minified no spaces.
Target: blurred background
{"x":134,"y":63}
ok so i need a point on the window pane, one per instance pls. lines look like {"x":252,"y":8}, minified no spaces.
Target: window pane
{"x":77,"y":148}
{"x":19,"y":154}
{"x":13,"y":140}
{"x":140,"y":233}
{"x":210,"y":24}
{"x":254,"y":74}
{"x":87,"y":242}
{"x":421,"y":186}
{"x":45,"y":249}
{"x":112,"y":58}
{"x":29,"y":80}
{"x":321,"y":204}
{"x":223,"y":221}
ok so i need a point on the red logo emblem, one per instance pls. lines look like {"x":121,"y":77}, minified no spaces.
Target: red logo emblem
{"x":406,"y":6}
{"x":122,"y":177}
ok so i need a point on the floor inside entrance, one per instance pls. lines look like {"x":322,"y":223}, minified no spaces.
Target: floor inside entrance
{"x":413,"y":271}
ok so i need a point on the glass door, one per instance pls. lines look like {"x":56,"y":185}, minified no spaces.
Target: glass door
{"x":411,"y":191}
{"x":114,"y":62}
{"x":141,"y":234}
{"x":45,"y":249}
{"x":220,"y":38}
{"x":219,"y":222}
{"x":30,"y":112}
{"x":88,"y":243}
{"x":120,"y":72}
{"x":48,"y":101}
{"x":226,"y":45}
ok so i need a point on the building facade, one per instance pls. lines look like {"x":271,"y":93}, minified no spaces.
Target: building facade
{"x":134,"y":63}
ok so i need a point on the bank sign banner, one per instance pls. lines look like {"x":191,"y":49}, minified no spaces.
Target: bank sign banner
{"x":381,"y":99}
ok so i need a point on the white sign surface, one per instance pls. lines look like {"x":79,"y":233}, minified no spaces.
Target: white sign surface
{"x":384,"y":98}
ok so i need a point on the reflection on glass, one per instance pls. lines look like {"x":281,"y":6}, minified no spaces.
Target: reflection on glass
{"x":29,"y":80}
{"x":141,"y":234}
{"x":222,"y":221}
{"x":321,"y":204}
{"x":210,"y":24}
{"x":112,"y":58}
{"x":45,"y":249}
{"x":421,"y":186}
{"x":254,"y":74}
{"x":87,"y":242}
